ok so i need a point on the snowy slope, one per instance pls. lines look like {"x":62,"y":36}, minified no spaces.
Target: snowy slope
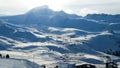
{"x":77,"y":44}
{"x":44,"y":36}
{"x":17,"y":63}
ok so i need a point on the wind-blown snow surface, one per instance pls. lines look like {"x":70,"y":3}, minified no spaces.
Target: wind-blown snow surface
{"x":58,"y":38}
{"x":17,"y":63}
{"x":79,"y":45}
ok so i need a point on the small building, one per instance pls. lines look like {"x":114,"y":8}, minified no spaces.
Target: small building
{"x":86,"y":66}
{"x":111,"y":65}
{"x":56,"y":66}
{"x":43,"y":66}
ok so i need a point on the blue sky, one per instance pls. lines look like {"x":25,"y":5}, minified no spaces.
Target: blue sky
{"x":80,"y":7}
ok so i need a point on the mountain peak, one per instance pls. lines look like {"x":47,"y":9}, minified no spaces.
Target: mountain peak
{"x":40,"y":8}
{"x":44,"y":10}
{"x":45,"y":7}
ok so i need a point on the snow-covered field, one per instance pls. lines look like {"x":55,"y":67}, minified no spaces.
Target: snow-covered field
{"x":17,"y":63}
{"x":66,"y":40}
{"x":21,"y":60}
{"x":61,"y":48}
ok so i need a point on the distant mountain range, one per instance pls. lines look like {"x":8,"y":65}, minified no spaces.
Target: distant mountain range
{"x":56,"y":33}
{"x":43,"y":16}
{"x":104,"y":18}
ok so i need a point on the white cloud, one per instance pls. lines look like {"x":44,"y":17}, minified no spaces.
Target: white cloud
{"x":86,"y":11}
{"x":69,"y":11}
{"x":70,"y":6}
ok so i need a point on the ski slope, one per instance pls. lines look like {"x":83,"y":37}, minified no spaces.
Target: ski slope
{"x":17,"y":63}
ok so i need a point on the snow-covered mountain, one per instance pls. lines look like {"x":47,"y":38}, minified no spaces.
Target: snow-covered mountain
{"x":43,"y":16}
{"x":40,"y":15}
{"x":43,"y":36}
{"x":104,"y":18}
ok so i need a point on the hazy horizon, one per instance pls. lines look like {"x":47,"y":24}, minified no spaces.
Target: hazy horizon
{"x":79,"y":7}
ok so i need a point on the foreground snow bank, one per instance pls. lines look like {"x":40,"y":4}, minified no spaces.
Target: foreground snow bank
{"x":17,"y":63}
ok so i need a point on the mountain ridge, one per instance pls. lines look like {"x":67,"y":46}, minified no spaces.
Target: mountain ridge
{"x":50,"y":35}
